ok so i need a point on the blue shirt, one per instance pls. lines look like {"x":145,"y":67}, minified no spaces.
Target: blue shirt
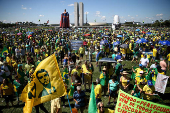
{"x":118,"y":57}
{"x":113,"y":86}
{"x":80,"y":98}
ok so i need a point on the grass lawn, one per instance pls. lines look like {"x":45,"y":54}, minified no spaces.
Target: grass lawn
{"x":96,"y":74}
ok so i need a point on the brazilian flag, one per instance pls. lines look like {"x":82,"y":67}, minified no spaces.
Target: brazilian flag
{"x":65,"y":76}
{"x":5,"y":50}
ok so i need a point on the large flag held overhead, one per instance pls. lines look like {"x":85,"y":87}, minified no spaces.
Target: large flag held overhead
{"x":44,"y":85}
{"x":5,"y":50}
{"x":92,"y":102}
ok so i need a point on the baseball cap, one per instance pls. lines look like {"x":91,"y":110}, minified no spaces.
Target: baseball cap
{"x":150,"y":83}
{"x":140,"y":65}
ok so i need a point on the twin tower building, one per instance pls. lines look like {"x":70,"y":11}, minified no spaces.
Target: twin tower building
{"x":78,"y":14}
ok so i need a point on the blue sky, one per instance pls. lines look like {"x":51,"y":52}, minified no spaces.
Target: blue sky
{"x":101,"y":10}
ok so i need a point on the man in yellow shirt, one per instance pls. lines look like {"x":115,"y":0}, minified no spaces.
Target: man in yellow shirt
{"x":98,"y":91}
{"x":154,"y":54}
{"x":81,"y":51}
{"x":149,"y":90}
{"x":78,"y":70}
{"x":141,"y":80}
{"x":137,"y":70}
{"x":168,"y":56}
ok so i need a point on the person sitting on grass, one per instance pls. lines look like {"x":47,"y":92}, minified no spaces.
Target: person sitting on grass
{"x":136,"y":92}
{"x":101,"y":109}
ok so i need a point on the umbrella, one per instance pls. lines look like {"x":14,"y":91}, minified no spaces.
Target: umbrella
{"x":119,"y":36}
{"x":148,"y":33}
{"x":166,"y":42}
{"x":116,"y":43}
{"x":19,"y":33}
{"x":124,"y":46}
{"x":142,"y":40}
{"x":87,"y":35}
{"x":4,"y":32}
{"x":50,"y":30}
{"x":103,"y":42}
{"x":29,"y":36}
{"x":107,"y":60}
{"x":143,"y":32}
{"x":137,"y":30}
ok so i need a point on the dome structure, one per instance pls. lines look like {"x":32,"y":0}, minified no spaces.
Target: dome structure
{"x":116,"y":20}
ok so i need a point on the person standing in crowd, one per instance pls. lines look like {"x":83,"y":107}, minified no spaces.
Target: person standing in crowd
{"x":7,"y":91}
{"x":154,"y":54}
{"x":125,"y":82}
{"x":81,"y":52}
{"x":113,"y":87}
{"x":163,"y":65}
{"x":104,"y":79}
{"x":79,"y":97}
{"x":56,"y":105}
{"x":168,"y":56}
{"x":98,"y":91}
{"x":7,"y":70}
{"x":144,"y":61}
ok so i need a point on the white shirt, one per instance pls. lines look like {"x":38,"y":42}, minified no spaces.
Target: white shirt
{"x":144,"y":61}
{"x":17,"y":51}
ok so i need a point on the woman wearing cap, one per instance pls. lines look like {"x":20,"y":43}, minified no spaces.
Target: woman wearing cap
{"x":149,"y":91}
{"x":113,"y":87}
{"x":124,"y":81}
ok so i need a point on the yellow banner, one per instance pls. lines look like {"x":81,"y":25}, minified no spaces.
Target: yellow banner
{"x":44,"y":85}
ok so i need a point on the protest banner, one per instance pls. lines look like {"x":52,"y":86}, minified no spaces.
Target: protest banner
{"x":75,"y":44}
{"x":161,"y":82}
{"x":127,"y":103}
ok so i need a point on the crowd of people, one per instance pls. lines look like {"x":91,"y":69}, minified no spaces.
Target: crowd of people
{"x":26,"y":49}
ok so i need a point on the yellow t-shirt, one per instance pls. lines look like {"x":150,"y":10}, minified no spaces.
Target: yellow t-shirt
{"x":78,"y":72}
{"x":98,"y":90}
{"x":7,"y":89}
{"x":8,"y":60}
{"x":106,"y":110}
{"x":56,"y":104}
{"x":138,"y":71}
{"x":139,"y":79}
{"x":154,"y":52}
{"x":123,"y":51}
{"x":124,"y":82}
{"x":168,"y":57}
{"x":148,"y":89}
{"x":81,"y":50}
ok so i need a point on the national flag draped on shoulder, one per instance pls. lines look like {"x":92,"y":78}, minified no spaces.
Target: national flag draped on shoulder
{"x":5,"y":50}
{"x":44,"y":85}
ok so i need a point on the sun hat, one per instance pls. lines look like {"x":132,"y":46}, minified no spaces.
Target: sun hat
{"x":140,"y":65}
{"x":125,"y":73}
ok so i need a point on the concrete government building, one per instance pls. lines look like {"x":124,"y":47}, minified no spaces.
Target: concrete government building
{"x":78,"y":14}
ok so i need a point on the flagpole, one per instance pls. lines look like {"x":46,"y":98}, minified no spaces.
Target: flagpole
{"x":69,"y":103}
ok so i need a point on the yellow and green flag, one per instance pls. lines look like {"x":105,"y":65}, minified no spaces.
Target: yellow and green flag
{"x":44,"y":85}
{"x":92,"y":102}
{"x":5,"y":50}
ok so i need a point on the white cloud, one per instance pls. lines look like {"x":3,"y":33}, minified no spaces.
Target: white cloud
{"x":86,"y":12}
{"x":136,"y":15}
{"x":70,"y":4}
{"x":159,"y":14}
{"x":4,"y":20}
{"x":30,"y":8}
{"x":132,"y":17}
{"x":147,"y":17}
{"x":98,"y":13}
{"x":103,"y":18}
{"x":23,"y":7}
{"x":41,"y":15}
{"x":128,"y":15}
